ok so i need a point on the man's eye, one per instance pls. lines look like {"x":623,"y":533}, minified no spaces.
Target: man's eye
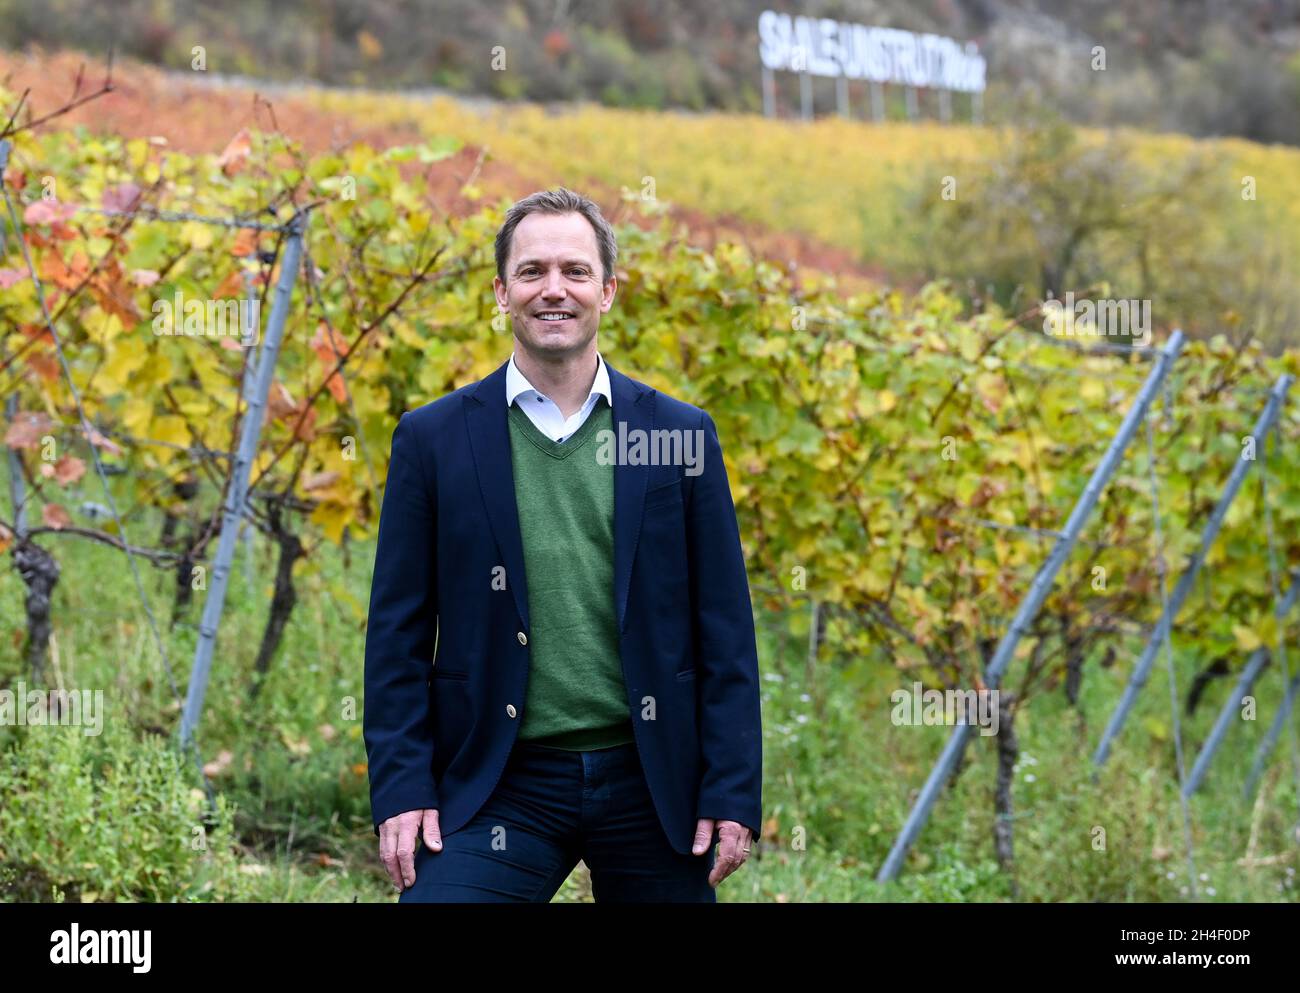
{"x":579,"y":270}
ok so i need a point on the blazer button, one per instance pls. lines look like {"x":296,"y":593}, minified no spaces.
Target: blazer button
{"x":510,"y":709}
{"x":523,"y":638}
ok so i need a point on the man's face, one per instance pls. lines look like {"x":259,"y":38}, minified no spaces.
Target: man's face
{"x":553,"y":290}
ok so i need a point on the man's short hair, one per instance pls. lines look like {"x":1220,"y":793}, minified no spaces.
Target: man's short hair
{"x":558,"y":201}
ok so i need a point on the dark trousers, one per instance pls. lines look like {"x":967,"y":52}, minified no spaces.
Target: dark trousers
{"x":551,"y":808}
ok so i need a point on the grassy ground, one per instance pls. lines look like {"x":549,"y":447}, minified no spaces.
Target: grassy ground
{"x":839,"y":775}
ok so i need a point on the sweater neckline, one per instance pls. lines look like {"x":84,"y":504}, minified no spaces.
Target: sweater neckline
{"x":558,"y":449}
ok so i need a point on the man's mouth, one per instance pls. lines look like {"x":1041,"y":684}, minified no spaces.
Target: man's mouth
{"x":554,"y":316}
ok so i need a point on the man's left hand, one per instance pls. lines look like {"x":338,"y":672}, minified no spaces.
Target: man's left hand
{"x":734,"y":842}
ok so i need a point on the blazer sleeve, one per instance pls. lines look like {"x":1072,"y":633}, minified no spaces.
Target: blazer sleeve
{"x":730,"y":728}
{"x":401,"y":635}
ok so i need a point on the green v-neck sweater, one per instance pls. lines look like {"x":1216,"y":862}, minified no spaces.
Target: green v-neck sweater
{"x":576,"y":696}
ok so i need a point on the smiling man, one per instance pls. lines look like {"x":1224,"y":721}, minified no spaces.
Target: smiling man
{"x":595,"y":693}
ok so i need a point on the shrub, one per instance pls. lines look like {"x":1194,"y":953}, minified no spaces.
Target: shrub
{"x":109,"y":818}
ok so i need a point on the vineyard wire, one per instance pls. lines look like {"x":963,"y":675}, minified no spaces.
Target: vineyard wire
{"x":1278,"y":605}
{"x":94,"y":449}
{"x":1029,"y":607}
{"x":1259,"y":433}
{"x":190,"y":742}
{"x":235,"y":509}
{"x":1142,"y":353}
{"x":1162,"y":572}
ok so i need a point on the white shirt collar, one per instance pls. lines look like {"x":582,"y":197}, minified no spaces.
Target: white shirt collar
{"x":517,"y":383}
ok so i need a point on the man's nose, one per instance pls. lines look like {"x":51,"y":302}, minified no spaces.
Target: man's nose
{"x":554,"y":284}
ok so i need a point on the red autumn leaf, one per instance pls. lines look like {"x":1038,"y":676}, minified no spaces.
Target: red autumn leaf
{"x":124,"y":196}
{"x":231,"y":286}
{"x":245,"y":243}
{"x":27,"y":429}
{"x":280,"y":405}
{"x":60,"y":273}
{"x":115,"y":297}
{"x":319,"y":480}
{"x":55,"y":516}
{"x":6,"y":536}
{"x":235,"y":154}
{"x":557,"y":43}
{"x":68,"y":470}
{"x":45,"y":366}
{"x":306,"y":431}
{"x":49,"y":211}
{"x":330,"y":348}
{"x":279,"y":401}
{"x":218,"y":765}
{"x":107,"y":444}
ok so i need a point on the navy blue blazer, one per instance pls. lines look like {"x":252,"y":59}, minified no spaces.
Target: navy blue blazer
{"x":438,"y":731}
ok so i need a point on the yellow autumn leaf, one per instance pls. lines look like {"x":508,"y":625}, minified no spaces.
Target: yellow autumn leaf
{"x":407,"y":334}
{"x":1247,"y":639}
{"x":370,"y":45}
{"x":332,"y":518}
{"x":1266,"y":629}
{"x":126,"y":355}
{"x":137,"y":415}
{"x":827,"y":460}
{"x":101,"y":325}
{"x":197,"y":235}
{"x":1155,"y":727}
{"x":170,"y":428}
{"x":1025,"y":457}
{"x":138,"y":151}
{"x":1092,"y":390}
{"x":214,"y":380}
{"x":157,"y":368}
{"x":991,"y":388}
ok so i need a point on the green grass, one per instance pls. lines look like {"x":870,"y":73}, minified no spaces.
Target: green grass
{"x":838,"y":774}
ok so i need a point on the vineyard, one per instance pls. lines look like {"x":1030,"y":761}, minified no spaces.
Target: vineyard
{"x":902,"y":466}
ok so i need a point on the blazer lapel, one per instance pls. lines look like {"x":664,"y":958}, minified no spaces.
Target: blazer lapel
{"x":485,"y":416}
{"x":489,"y":438}
{"x":633,"y":410}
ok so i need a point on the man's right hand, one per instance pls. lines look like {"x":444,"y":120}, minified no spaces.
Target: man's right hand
{"x":398,"y":837}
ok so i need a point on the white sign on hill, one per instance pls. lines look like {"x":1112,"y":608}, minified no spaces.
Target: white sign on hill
{"x":821,"y":46}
